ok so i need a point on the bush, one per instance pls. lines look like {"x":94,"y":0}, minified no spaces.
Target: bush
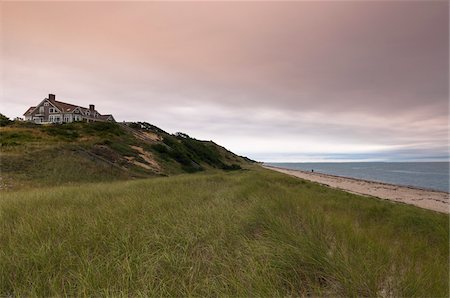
{"x":182,"y":135}
{"x":4,"y":121}
{"x":135,"y":125}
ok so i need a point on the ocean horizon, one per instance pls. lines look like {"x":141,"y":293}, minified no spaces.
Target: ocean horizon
{"x":426,"y":175}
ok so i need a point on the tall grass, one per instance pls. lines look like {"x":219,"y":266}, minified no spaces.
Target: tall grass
{"x":237,"y":233}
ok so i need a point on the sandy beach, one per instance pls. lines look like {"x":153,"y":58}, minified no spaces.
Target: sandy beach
{"x":428,"y":199}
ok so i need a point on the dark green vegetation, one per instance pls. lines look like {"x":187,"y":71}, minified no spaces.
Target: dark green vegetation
{"x":4,"y":120}
{"x":38,"y":156}
{"x":240,"y":233}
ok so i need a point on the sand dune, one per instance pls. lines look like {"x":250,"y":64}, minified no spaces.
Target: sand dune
{"x":428,"y":199}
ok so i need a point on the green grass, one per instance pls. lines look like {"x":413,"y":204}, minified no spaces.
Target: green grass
{"x":56,"y":166}
{"x":239,"y":233}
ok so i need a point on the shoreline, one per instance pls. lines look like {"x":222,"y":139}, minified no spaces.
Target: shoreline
{"x":424,"y":198}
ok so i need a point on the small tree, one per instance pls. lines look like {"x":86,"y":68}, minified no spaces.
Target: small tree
{"x":4,"y":120}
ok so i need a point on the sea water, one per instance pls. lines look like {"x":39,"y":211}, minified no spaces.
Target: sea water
{"x":428,"y":175}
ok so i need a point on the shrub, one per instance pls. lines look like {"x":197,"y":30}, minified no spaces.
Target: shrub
{"x":182,"y":135}
{"x":135,"y":125}
{"x":4,"y":121}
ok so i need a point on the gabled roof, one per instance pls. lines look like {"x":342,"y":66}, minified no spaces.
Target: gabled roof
{"x":106,"y":117}
{"x":63,"y":106}
{"x":28,"y":112}
{"x":69,"y":108}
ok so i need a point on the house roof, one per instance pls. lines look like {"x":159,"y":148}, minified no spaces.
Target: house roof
{"x":28,"y":112}
{"x":105,"y":117}
{"x":65,"y":107}
{"x":68,"y":107}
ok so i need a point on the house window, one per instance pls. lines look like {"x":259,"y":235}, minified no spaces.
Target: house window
{"x":45,"y":104}
{"x":51,"y":110}
{"x":54,"y":119}
{"x":41,"y":109}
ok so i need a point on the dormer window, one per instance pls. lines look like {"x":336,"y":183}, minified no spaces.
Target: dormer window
{"x":52,"y":110}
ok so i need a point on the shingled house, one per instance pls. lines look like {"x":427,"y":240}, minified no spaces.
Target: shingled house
{"x":52,"y":111}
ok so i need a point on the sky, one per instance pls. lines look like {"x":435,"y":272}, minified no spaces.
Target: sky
{"x":274,"y":81}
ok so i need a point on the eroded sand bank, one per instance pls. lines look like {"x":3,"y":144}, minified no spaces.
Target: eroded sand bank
{"x":428,"y":199}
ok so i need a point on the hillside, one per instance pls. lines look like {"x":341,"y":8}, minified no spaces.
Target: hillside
{"x":37,"y":156}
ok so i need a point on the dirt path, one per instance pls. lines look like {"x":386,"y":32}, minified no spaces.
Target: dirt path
{"x":428,"y":199}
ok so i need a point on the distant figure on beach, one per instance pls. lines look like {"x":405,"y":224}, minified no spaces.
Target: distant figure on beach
{"x":312,"y":170}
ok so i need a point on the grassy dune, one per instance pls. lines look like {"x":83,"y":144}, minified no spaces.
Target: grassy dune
{"x":235,"y":233}
{"x":34,"y":155}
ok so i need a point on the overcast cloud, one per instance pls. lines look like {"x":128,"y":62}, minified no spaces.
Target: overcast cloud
{"x":290,"y":81}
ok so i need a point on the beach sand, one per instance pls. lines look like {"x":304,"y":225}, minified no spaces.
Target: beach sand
{"x":428,"y":199}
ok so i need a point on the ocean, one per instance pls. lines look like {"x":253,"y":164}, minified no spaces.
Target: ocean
{"x":428,"y":175}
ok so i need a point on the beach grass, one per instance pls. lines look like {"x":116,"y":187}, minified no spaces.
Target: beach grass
{"x":242,"y":233}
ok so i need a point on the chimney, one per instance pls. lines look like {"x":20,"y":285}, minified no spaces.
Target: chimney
{"x":51,"y":96}
{"x":91,"y":107}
